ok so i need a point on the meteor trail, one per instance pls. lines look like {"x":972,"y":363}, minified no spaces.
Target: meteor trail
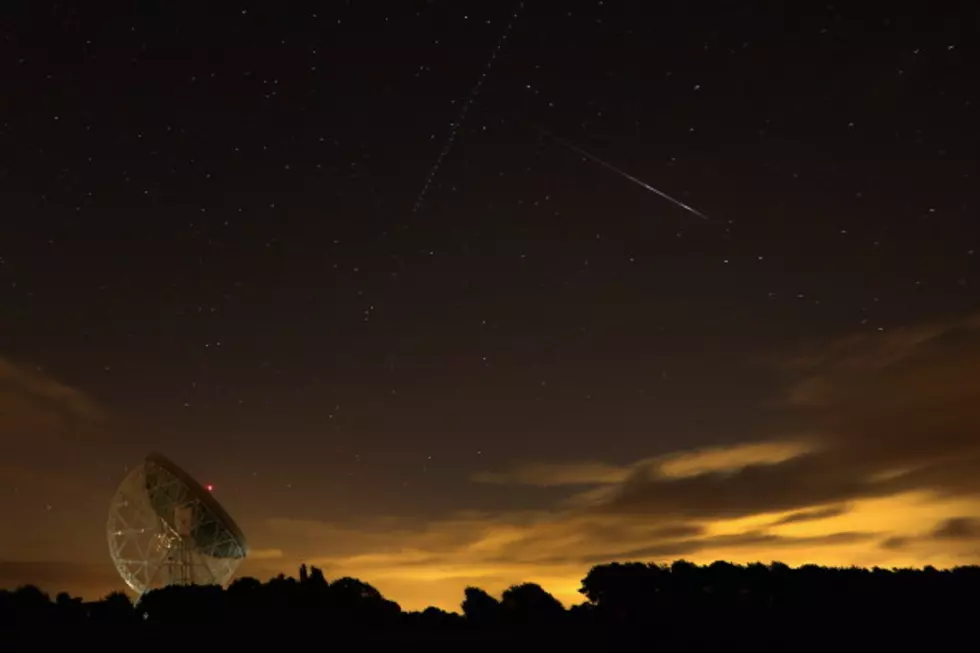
{"x":467,"y":103}
{"x":621,"y":173}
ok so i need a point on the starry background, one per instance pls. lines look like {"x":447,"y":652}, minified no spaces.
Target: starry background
{"x":214,"y":229}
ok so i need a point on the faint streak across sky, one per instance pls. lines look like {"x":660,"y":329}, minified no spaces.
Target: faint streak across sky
{"x":454,"y":126}
{"x":621,"y":173}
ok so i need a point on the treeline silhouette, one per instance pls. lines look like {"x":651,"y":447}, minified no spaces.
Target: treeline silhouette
{"x":677,"y":607}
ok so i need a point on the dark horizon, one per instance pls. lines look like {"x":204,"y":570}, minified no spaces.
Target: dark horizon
{"x":680,"y":606}
{"x":635,"y":578}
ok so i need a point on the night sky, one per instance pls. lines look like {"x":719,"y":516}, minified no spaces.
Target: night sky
{"x":358,"y":265}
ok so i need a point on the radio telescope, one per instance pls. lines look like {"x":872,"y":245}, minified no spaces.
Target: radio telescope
{"x":165,"y":529}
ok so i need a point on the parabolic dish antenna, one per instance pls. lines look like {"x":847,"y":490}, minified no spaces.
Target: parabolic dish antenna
{"x":165,"y":529}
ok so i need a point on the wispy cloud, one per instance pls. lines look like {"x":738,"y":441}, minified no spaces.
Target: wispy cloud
{"x":675,"y":465}
{"x":811,"y":515}
{"x":29,"y":399}
{"x":41,"y":417}
{"x":49,"y":433}
{"x":265,"y":554}
{"x":555,"y":474}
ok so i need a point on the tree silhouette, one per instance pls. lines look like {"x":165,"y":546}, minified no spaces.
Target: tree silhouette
{"x":624,"y":592}
{"x":682,"y":606}
{"x":529,"y":604}
{"x":480,"y":609}
{"x":29,"y":605}
{"x":116,"y":608}
{"x":70,"y":610}
{"x":317,"y":579}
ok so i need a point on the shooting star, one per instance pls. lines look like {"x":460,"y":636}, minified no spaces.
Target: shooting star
{"x":621,"y":173}
{"x":467,"y":103}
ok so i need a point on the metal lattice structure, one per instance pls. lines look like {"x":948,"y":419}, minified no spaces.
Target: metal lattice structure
{"x":165,"y":529}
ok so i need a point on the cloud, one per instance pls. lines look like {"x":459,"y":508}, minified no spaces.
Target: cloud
{"x":882,"y":443}
{"x":950,"y":533}
{"x":52,"y":439}
{"x":958,"y":528}
{"x":895,"y":543}
{"x":728,"y":542}
{"x":892,"y":414}
{"x":31,"y":400}
{"x":681,"y":464}
{"x":47,"y":426}
{"x":720,"y":460}
{"x":811,"y":515}
{"x":555,"y":474}
{"x":877,"y":351}
{"x":56,"y":440}
{"x":762,"y":488}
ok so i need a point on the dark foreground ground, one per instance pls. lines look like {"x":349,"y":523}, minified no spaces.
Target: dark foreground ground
{"x":879,"y":636}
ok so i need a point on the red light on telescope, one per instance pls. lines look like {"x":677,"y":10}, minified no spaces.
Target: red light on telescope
{"x":209,"y":487}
